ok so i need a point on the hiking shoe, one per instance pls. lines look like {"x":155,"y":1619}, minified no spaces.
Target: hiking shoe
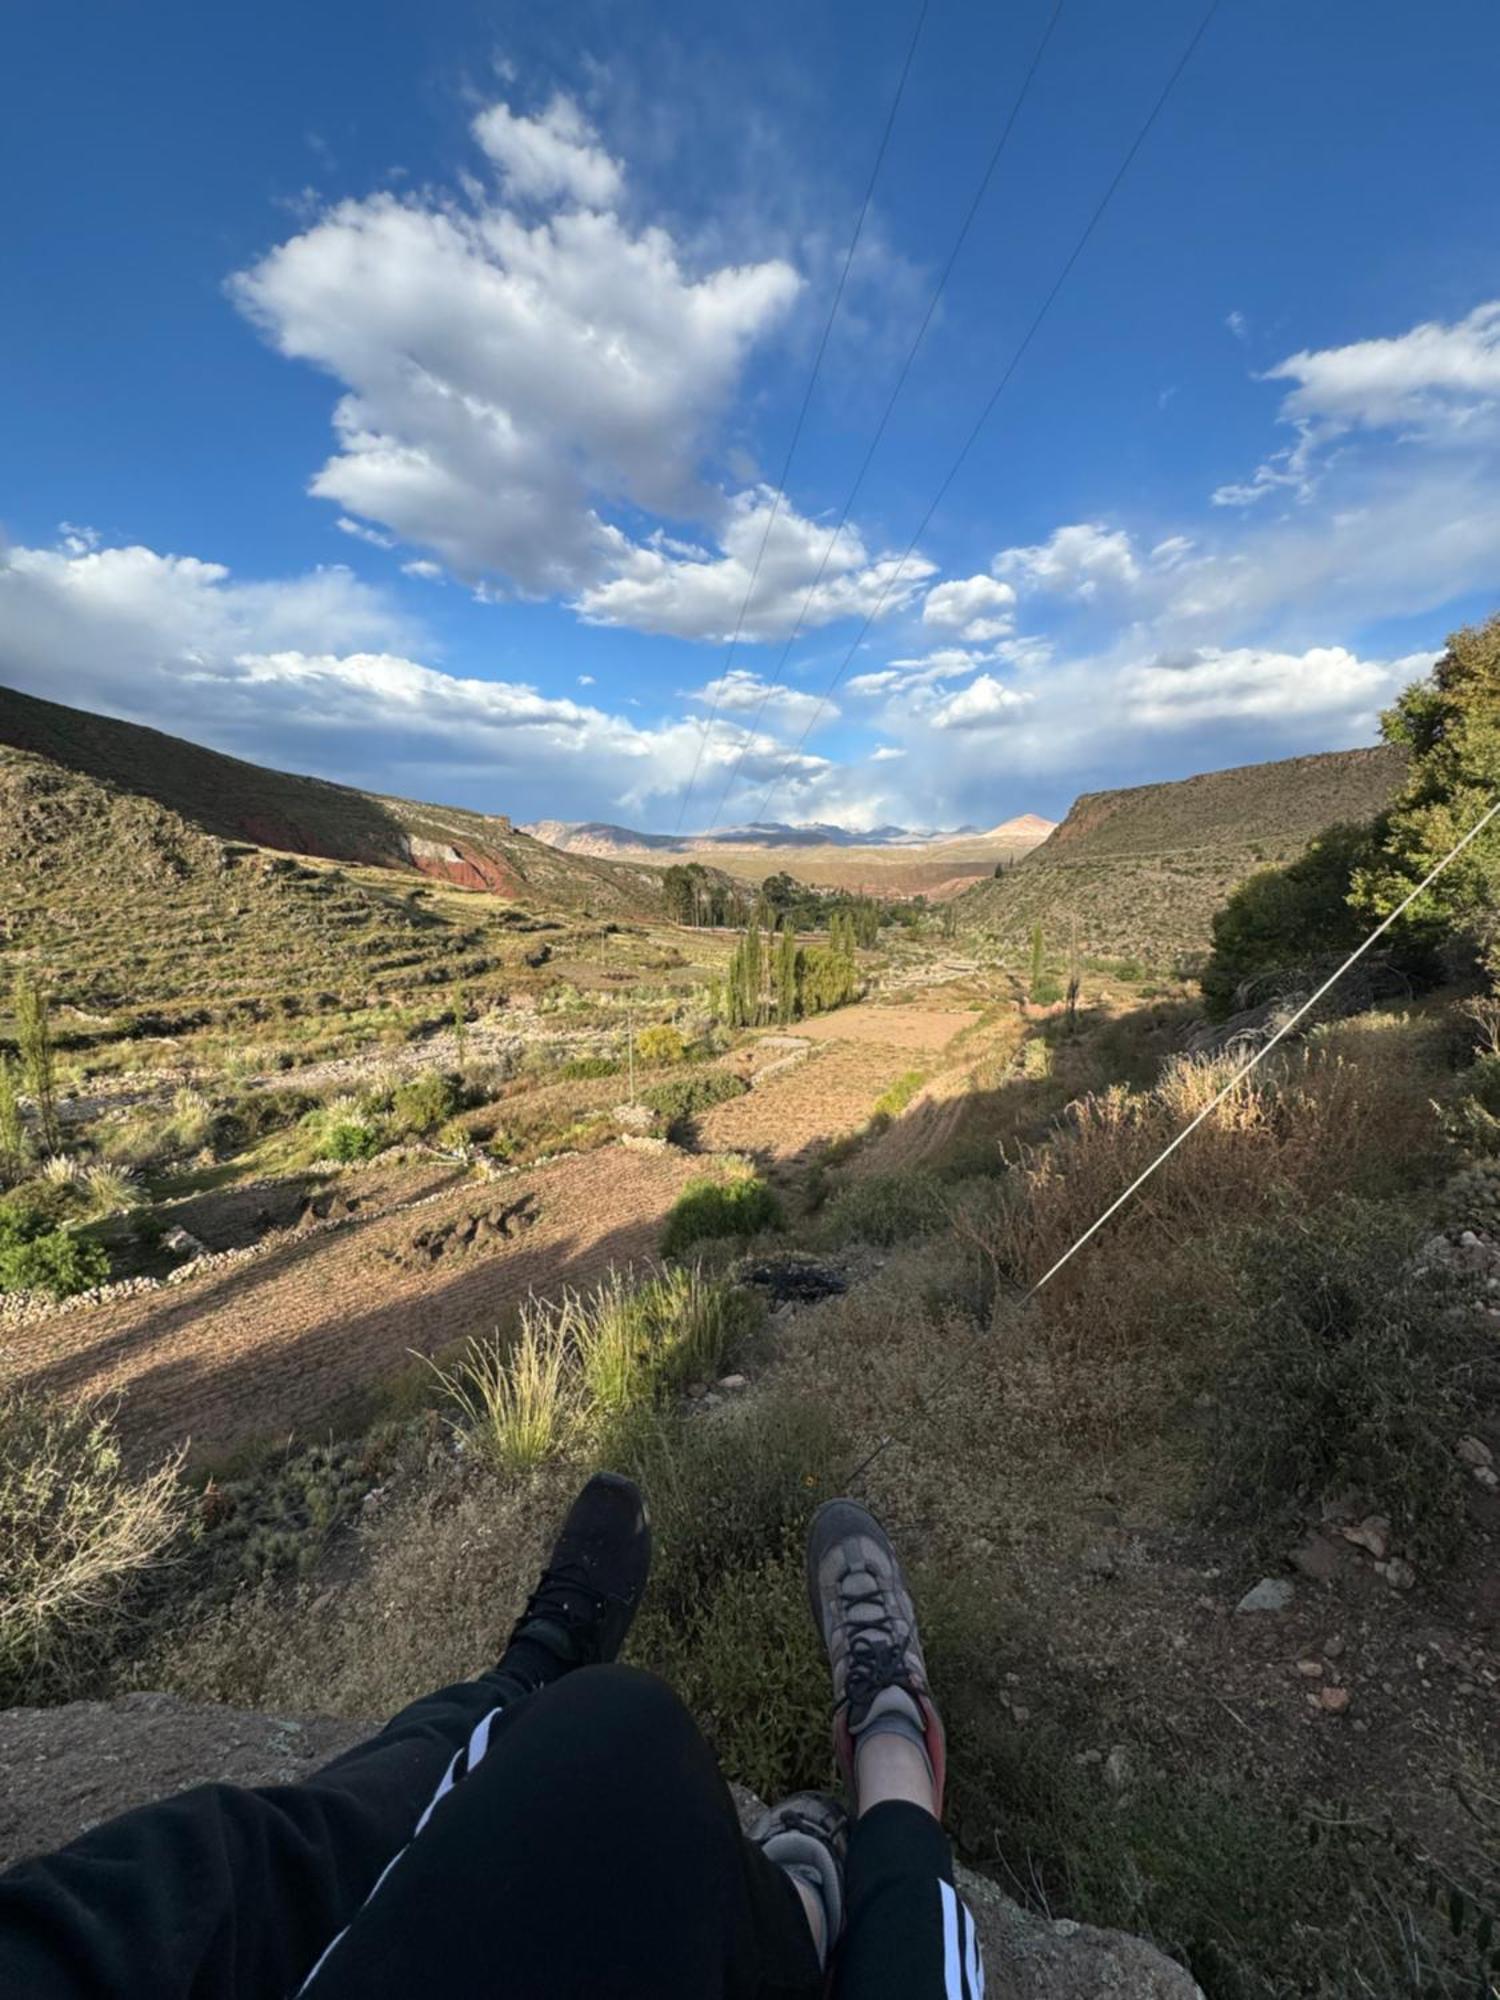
{"x":863,"y":1609}
{"x":582,"y":1608}
{"x":808,"y":1835}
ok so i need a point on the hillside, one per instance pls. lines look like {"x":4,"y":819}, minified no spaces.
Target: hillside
{"x":1141,"y":871}
{"x":128,"y":911}
{"x":236,"y":800}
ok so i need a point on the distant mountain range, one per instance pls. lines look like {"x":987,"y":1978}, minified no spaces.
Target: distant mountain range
{"x":599,"y":837}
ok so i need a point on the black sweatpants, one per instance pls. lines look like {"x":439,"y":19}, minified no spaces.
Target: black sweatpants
{"x":577,"y":1842}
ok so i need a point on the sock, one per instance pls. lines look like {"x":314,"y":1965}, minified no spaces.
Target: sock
{"x":894,"y":1712}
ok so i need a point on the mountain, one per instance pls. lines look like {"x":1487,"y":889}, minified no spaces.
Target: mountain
{"x":238,"y":801}
{"x":1138,"y":873}
{"x":599,"y":837}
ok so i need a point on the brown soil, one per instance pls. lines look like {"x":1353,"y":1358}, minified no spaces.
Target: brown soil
{"x":270,"y":1345}
{"x":923,"y":1029}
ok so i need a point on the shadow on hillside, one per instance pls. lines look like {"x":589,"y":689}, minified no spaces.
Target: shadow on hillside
{"x":219,"y":1400}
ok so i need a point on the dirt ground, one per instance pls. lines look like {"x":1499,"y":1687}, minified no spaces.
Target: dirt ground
{"x":270,"y":1345}
{"x":921,"y":1029}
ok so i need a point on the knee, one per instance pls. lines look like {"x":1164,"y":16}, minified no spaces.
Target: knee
{"x":622,"y":1701}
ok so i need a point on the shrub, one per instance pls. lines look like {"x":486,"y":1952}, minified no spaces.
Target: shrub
{"x":1285,"y":919}
{"x":77,"y":1531}
{"x":1343,"y":1371}
{"x":580,"y":1069}
{"x":884,"y":1208}
{"x":660,"y":1043}
{"x":39,"y":1255}
{"x":708,"y":1208}
{"x":636,"y":1341}
{"x":424,"y":1102}
{"x":344,"y":1130}
{"x":146,"y":1137}
{"x":682,"y":1097}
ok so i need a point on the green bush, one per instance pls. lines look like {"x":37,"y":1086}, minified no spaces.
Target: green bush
{"x":1285,"y":919}
{"x":344,"y":1130}
{"x":894,"y":1099}
{"x":1340,"y":1367}
{"x":720,"y":1208}
{"x":424,"y":1102}
{"x":884,"y":1208}
{"x":682,"y":1097}
{"x":39,"y":1255}
{"x":77,"y":1532}
{"x":661,"y":1043}
{"x":581,"y":1069}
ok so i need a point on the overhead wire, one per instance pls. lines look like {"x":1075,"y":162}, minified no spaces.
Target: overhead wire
{"x":950,"y":1374}
{"x":980,"y":191}
{"x":998,"y":391}
{"x":807,"y":394}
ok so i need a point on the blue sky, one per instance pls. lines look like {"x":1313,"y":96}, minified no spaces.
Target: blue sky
{"x":400,"y":393}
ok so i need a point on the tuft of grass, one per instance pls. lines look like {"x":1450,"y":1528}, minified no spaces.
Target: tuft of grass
{"x":516,"y":1403}
{"x":894,"y":1099}
{"x":708,"y":1209}
{"x":78,"y":1531}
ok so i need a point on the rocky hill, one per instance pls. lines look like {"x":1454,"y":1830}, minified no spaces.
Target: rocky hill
{"x":239,"y":801}
{"x":1138,"y":873}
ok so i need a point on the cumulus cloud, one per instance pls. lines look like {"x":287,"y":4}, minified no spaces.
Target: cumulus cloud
{"x":977,"y":608}
{"x":556,"y":157}
{"x":361,"y":533}
{"x":316,"y":671}
{"x":1249,"y":683}
{"x":670,"y":587}
{"x":507,"y":379}
{"x":984,"y":704}
{"x":741,"y":692}
{"x":1075,"y":561}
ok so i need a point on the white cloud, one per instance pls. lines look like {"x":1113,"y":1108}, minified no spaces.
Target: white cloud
{"x":1434,"y":378}
{"x":978,"y":608}
{"x":1075,"y":561}
{"x":508,"y":380}
{"x":669,"y":587}
{"x":585,"y":680}
{"x":1238,"y":325}
{"x":886,"y":754}
{"x":555,"y":157}
{"x":741,"y":692}
{"x":984,"y":704}
{"x":1249,"y":683}
{"x":363,"y":534}
{"x":428,"y":572}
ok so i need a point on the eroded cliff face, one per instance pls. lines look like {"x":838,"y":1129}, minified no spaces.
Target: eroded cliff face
{"x":471,"y":867}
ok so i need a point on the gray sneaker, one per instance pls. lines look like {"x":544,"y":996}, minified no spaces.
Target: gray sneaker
{"x":863,"y":1609}
{"x":808,"y":1835}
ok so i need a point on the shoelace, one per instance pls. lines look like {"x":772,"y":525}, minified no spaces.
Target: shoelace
{"x":875,"y":1658}
{"x":555,"y":1600}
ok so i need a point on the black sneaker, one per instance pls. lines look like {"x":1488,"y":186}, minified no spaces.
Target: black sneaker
{"x":581,"y":1610}
{"x":863,"y":1609}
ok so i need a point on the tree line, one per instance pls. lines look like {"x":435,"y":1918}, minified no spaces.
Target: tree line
{"x":771,"y":977}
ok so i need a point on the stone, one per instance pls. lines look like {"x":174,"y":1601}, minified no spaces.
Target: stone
{"x":1320,"y":1557}
{"x":1310,"y":1669}
{"x":734,"y":1383}
{"x":1333,"y":1700}
{"x":1119,"y":1768}
{"x":1474,"y":1451}
{"x":1487,"y":1477}
{"x":1372,"y":1533}
{"x":182,"y":1243}
{"x":1272,"y":1593}
{"x":1399,"y":1573}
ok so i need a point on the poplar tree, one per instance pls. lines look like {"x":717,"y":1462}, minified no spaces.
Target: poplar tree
{"x":786,"y":976}
{"x":12,"y":1129}
{"x":38,"y":1062}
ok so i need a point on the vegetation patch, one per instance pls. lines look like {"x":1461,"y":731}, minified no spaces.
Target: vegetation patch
{"x":707,"y":1208}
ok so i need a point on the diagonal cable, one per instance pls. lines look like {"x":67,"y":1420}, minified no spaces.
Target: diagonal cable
{"x":859,"y":478}
{"x":791,"y":450}
{"x":1253,"y":1062}
{"x":1011,"y":366}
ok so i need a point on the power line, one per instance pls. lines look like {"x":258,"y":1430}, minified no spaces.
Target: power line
{"x":859,"y":478}
{"x":791,"y":449}
{"x":1253,"y":1062}
{"x":1011,"y":366}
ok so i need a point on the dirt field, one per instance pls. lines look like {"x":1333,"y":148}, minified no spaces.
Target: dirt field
{"x":272,"y":1344}
{"x":922,"y":1029}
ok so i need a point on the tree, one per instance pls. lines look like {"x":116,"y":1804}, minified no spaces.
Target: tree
{"x":1289,"y":920}
{"x":38,"y":1060}
{"x":12,"y":1127}
{"x":1449,"y":725}
{"x":786,"y":976}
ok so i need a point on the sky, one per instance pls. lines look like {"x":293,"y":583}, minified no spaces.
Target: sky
{"x":468,"y":402}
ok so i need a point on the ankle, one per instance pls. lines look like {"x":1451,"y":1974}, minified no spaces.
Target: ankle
{"x":887,"y":1768}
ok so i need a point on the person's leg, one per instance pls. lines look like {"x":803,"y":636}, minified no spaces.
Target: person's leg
{"x":236,"y":1892}
{"x":593,"y":1853}
{"x":908,"y":1935}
